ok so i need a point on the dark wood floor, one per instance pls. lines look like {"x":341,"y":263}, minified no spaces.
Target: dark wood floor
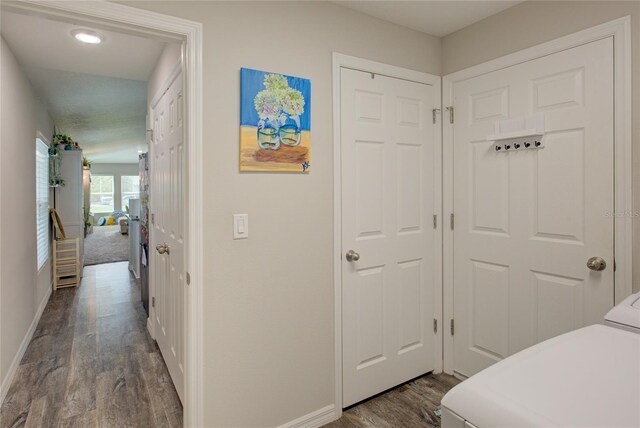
{"x":91,"y":361}
{"x":409,"y":405}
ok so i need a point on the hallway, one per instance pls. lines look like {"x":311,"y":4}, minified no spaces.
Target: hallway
{"x":91,"y":361}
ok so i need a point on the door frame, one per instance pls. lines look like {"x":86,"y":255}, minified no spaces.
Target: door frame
{"x":620,"y":30}
{"x":142,"y":22}
{"x":360,"y":64}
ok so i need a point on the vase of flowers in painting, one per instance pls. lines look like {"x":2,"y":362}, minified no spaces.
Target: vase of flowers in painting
{"x":279,"y":108}
{"x":268,"y":138}
{"x":290,"y":131}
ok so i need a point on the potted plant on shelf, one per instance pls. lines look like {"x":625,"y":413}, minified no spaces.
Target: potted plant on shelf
{"x":65,"y":141}
{"x":86,"y":163}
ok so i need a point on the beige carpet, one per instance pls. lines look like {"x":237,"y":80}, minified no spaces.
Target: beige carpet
{"x":106,"y":245}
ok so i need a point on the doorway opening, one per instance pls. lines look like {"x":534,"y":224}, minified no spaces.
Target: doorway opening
{"x":117,"y":115}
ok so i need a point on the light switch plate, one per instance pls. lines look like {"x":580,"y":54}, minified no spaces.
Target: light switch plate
{"x":240,"y":226}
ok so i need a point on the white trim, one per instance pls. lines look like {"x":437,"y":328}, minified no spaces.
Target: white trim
{"x":346,"y":61}
{"x":312,"y":420}
{"x":440,"y":222}
{"x":134,"y":20}
{"x":43,"y":138}
{"x":620,"y":30}
{"x":11,"y":373}
{"x":150,"y":325}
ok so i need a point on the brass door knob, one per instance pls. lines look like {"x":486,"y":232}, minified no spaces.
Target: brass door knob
{"x":596,"y":263}
{"x":162,"y":248}
{"x":352,"y":256}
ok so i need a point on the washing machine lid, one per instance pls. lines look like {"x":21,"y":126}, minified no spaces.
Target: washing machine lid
{"x":587,"y":378}
{"x":627,"y":313}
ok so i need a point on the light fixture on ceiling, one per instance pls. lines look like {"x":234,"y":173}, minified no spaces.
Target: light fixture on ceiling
{"x":88,"y":36}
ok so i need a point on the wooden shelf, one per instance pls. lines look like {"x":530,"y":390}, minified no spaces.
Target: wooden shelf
{"x":66,"y":263}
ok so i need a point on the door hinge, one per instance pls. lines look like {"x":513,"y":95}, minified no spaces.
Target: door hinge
{"x":188,"y":279}
{"x":153,"y":219}
{"x":434,"y":114}
{"x":453,"y":327}
{"x":150,"y":131}
{"x":435,"y":325}
{"x":153,"y":302}
{"x":615,"y":267}
{"x":435,"y":221}
{"x":452,"y":221}
{"x":450,"y":109}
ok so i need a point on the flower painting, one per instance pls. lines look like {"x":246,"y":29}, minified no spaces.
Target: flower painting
{"x":275,"y":122}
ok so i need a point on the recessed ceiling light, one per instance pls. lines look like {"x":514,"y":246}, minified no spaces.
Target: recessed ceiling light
{"x":88,"y":36}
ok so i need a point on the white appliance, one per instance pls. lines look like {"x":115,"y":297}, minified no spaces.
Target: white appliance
{"x":625,"y":315}
{"x":134,"y":237}
{"x":586,"y":378}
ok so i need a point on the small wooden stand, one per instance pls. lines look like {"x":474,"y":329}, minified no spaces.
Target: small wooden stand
{"x":66,"y":263}
{"x":66,"y":257}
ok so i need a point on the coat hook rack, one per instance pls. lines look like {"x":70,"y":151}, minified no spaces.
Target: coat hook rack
{"x":522,"y":133}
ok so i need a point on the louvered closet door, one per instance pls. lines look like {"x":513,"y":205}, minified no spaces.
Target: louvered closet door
{"x":387,"y":172}
{"x":527,"y":221}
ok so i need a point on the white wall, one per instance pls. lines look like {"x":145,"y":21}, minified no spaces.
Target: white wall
{"x":22,"y":288}
{"x":170,"y":56}
{"x":269,"y":299}
{"x":117,"y":170}
{"x":534,"y":22}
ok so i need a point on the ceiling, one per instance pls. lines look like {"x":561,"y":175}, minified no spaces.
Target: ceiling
{"x":97,"y":94}
{"x":106,"y":115}
{"x":437,"y":18}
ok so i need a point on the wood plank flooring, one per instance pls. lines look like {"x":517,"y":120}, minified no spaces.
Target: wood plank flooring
{"x":409,"y":405}
{"x":92,"y":363}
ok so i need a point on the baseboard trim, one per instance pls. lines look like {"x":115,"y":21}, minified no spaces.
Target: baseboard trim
{"x":6,"y":382}
{"x":133,"y":272}
{"x":314,"y":419}
{"x":150,"y":328}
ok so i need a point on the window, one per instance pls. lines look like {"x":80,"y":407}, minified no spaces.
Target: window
{"x":42,"y":201}
{"x":102,"y":193}
{"x":130,"y":186}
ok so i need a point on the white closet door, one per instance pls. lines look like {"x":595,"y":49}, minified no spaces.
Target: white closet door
{"x":167,"y":230}
{"x":387,"y":206}
{"x":527,"y":221}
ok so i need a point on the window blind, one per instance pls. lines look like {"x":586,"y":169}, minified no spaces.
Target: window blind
{"x":42,"y":201}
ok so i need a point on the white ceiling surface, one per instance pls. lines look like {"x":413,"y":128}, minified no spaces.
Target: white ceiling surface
{"x":437,"y":18}
{"x":95,"y":93}
{"x":106,"y":115}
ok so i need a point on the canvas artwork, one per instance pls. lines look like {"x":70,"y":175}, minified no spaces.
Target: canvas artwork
{"x":275,"y":122}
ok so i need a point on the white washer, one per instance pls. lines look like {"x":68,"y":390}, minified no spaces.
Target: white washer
{"x":625,"y":315}
{"x":586,"y":378}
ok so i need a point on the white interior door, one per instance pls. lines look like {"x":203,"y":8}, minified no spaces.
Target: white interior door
{"x":388,"y":171}
{"x":167,"y":230}
{"x":528,"y":220}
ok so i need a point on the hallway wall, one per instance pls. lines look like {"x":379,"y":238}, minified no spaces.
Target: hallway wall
{"x":269,"y":333}
{"x":22,"y":287}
